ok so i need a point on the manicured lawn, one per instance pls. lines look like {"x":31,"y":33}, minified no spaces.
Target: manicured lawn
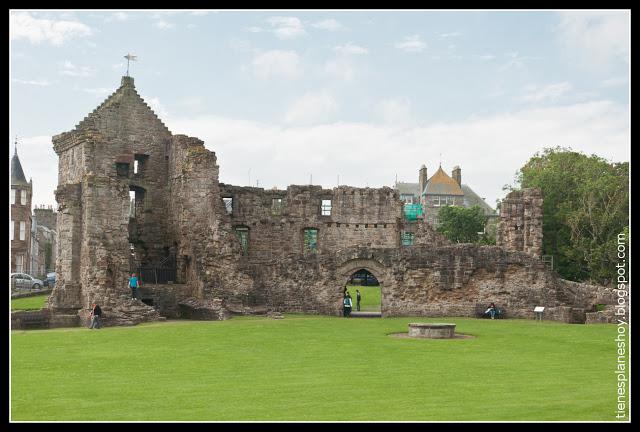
{"x":370,"y":297}
{"x":314,"y":368}
{"x":29,"y":303}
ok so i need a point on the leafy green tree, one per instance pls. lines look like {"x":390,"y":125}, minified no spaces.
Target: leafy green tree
{"x":462,"y":225}
{"x":586,"y":206}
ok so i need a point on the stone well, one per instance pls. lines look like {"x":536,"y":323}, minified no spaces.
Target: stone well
{"x":432,"y":330}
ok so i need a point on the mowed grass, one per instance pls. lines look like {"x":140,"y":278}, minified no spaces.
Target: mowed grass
{"x":29,"y":303}
{"x":370,"y":297}
{"x":314,"y":368}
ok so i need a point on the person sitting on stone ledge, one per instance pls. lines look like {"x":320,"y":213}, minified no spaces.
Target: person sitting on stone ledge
{"x":491,"y":311}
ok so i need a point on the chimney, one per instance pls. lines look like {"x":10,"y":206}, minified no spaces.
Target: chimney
{"x":422,"y":179}
{"x":457,"y":175}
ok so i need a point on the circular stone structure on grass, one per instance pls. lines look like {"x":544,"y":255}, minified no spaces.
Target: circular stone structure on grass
{"x":432,"y":330}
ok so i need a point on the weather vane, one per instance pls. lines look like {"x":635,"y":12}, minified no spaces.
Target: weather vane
{"x":130,"y":57}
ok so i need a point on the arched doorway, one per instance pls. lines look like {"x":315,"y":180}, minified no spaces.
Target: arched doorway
{"x":365,"y":283}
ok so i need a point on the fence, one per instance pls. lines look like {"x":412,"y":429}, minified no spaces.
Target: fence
{"x":157,"y":275}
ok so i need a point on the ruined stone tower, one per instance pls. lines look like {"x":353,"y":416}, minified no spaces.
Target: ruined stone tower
{"x":520,"y":227}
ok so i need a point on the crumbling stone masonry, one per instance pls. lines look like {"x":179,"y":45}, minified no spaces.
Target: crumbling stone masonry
{"x":133,"y":195}
{"x":520,"y":227}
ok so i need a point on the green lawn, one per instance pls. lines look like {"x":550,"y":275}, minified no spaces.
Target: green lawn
{"x":314,"y":368}
{"x":370,"y":297}
{"x":29,"y":303}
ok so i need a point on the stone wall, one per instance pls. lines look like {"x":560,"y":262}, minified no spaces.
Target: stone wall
{"x":520,"y":226}
{"x":180,"y":212}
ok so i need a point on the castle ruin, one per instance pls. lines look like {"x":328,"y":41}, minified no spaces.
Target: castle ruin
{"x":134,"y":197}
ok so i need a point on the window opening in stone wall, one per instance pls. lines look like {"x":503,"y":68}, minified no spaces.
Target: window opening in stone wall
{"x":407,"y":238}
{"x":132,"y":204}
{"x":228,"y":204}
{"x":276,"y":206}
{"x":23,"y":228}
{"x":19,"y":263}
{"x":122,"y":169}
{"x":139,"y":163}
{"x":12,"y":229}
{"x":23,"y":197}
{"x":311,"y":240}
{"x":242,"y":234}
{"x":13,"y":196}
{"x":326,"y":207}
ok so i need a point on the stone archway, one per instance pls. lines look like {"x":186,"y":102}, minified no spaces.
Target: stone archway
{"x":381,"y":273}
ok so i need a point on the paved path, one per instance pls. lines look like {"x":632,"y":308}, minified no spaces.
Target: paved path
{"x":366,"y":314}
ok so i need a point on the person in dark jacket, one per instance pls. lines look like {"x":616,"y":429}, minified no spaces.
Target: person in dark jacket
{"x":358,"y":298}
{"x":96,"y":313}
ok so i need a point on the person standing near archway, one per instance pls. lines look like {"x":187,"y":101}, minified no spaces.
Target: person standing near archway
{"x":347,"y":305}
{"x":358,"y":298}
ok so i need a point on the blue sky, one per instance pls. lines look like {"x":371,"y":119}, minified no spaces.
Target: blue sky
{"x":284,"y":95}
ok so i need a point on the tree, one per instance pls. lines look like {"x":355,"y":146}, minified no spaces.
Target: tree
{"x":586,"y":206}
{"x":462,"y":225}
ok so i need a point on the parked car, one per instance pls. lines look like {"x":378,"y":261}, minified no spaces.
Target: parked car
{"x":50,"y":280}
{"x":25,"y":281}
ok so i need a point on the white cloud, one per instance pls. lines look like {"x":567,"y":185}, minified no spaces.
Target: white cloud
{"x":546,"y":93}
{"x":286,"y":27}
{"x":483,"y":146}
{"x":411,"y":44}
{"x":328,"y":24}
{"x":516,"y":61}
{"x":394,"y":111}
{"x":277,"y":64}
{"x":70,"y":69}
{"x":121,"y":16}
{"x":157,"y":107}
{"x":254,"y":29}
{"x":488,"y":148}
{"x":312,"y":108}
{"x":341,"y":68}
{"x":350,"y":48}
{"x":201,"y":12}
{"x":597,"y":37}
{"x":40,"y":83}
{"x":22,"y":25}
{"x":164,"y":25}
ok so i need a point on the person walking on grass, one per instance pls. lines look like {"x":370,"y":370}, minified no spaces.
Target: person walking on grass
{"x":358,"y":298}
{"x":133,"y":284}
{"x":347,"y":303}
{"x":96,"y":312}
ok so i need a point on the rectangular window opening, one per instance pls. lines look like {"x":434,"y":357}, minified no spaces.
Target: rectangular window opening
{"x":23,"y":228}
{"x":407,"y":238}
{"x":23,"y":197}
{"x":311,"y":240}
{"x":132,"y":204}
{"x":242,"y":233}
{"x":13,"y":196}
{"x":326,"y":207}
{"x":276,"y":206}
{"x":228,"y":204}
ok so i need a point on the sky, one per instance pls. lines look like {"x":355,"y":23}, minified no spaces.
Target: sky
{"x":357,"y":98}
